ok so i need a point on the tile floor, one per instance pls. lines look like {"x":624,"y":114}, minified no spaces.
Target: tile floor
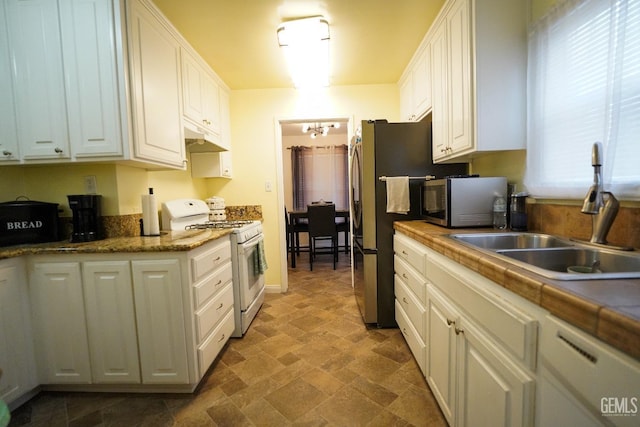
{"x":307,"y":360}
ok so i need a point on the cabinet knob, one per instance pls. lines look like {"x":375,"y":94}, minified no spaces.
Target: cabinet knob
{"x":459,"y":331}
{"x":404,"y":276}
{"x":58,"y":150}
{"x":222,"y":338}
{"x":404,"y":300}
{"x":450,"y":322}
{"x":7,"y":153}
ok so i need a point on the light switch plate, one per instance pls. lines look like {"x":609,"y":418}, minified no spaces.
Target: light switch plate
{"x":90,"y":185}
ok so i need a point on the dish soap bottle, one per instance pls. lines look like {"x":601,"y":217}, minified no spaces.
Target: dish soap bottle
{"x":499,"y":212}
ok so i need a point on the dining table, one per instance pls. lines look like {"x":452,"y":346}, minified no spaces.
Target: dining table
{"x":299,"y":217}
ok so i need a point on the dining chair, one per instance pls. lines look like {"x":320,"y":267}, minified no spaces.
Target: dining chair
{"x":294,"y":228}
{"x":322,"y":227}
{"x":342,"y":224}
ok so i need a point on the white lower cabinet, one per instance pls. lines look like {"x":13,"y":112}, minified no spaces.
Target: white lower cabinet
{"x":142,"y":321}
{"x":16,"y":349}
{"x":60,"y":331}
{"x":160,"y":319}
{"x":111,"y":322}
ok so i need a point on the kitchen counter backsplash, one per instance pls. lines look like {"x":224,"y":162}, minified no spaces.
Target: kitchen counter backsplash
{"x":568,"y":221}
{"x":129,"y":225}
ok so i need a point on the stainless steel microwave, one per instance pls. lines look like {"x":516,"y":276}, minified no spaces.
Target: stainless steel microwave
{"x":461,"y":201}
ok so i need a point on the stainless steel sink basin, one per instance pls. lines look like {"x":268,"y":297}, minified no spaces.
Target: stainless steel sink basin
{"x":497,"y":241}
{"x":564,"y":263}
{"x":555,"y":257}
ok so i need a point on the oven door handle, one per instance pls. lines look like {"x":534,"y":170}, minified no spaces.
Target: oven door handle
{"x":251,"y":242}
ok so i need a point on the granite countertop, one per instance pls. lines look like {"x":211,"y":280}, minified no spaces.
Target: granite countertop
{"x":170,"y":241}
{"x":606,"y":309}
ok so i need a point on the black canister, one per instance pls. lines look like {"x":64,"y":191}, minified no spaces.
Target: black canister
{"x":518,"y":209}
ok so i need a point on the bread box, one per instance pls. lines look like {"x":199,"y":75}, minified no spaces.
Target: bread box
{"x":28,"y":221}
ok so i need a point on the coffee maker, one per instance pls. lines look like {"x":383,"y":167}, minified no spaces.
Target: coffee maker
{"x":86,"y":217}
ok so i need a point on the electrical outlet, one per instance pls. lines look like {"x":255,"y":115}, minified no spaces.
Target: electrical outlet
{"x":267,"y":186}
{"x":90,"y":185}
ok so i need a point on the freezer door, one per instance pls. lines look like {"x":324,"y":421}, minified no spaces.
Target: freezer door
{"x":365,"y":282}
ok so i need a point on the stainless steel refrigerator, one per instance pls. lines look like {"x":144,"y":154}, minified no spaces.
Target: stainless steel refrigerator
{"x":385,"y":149}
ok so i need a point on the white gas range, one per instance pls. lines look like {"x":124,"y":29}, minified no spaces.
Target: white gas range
{"x":246,"y":253}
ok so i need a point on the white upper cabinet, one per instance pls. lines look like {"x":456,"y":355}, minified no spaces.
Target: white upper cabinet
{"x":477,"y":79}
{"x":92,"y":81}
{"x":36,"y":54}
{"x":101,"y":80}
{"x":201,"y":98}
{"x":484,"y":81}
{"x":8,"y":130}
{"x":415,"y":86}
{"x":154,"y":54}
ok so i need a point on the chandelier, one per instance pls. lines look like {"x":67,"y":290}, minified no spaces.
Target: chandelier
{"x":316,"y":129}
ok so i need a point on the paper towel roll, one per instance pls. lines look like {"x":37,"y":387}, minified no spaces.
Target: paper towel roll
{"x":150,"y":222}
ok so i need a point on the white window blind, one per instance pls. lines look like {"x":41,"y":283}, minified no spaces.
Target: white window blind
{"x":584,"y":86}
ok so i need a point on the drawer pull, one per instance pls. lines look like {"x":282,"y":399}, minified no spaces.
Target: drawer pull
{"x":459,"y":331}
{"x":217,"y":259}
{"x":404,"y":252}
{"x":220,"y":306}
{"x":404,"y":276}
{"x":404,"y":331}
{"x":584,"y":353}
{"x":219,"y":282}
{"x":450,"y":322}
{"x":404,"y":300}
{"x":222,"y":338}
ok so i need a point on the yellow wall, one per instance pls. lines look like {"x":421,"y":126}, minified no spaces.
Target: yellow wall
{"x":253,"y":134}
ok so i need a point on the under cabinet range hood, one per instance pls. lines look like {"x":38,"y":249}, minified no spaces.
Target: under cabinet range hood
{"x":195,"y":135}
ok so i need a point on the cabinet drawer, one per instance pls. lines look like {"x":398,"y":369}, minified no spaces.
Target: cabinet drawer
{"x":208,"y":317}
{"x":212,"y":284}
{"x":206,"y":262}
{"x":211,"y":347}
{"x":413,"y":308}
{"x":509,"y":326}
{"x":410,"y":277}
{"x":416,"y":345}
{"x":411,"y":252}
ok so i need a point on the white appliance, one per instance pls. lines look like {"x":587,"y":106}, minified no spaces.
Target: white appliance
{"x":246,"y":242}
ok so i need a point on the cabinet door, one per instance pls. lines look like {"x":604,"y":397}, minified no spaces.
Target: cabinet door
{"x":192,"y":91}
{"x":406,"y":98}
{"x":154,"y":55}
{"x":59,"y":323}
{"x":16,"y":354}
{"x":211,"y":104}
{"x":36,"y":55}
{"x":93,"y":90}
{"x":439,"y":92}
{"x":111,"y":322}
{"x":8,"y":130}
{"x":161,"y":323}
{"x":422,"y":83}
{"x":492,"y":390}
{"x":441,"y":351}
{"x":459,"y":72}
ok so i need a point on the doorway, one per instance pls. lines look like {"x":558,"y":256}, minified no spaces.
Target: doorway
{"x":323,"y":150}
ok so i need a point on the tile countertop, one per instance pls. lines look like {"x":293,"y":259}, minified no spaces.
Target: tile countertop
{"x":167,"y":242}
{"x":606,"y":309}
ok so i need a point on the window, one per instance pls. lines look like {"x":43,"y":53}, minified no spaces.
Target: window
{"x":584,"y":86}
{"x":319,"y":173}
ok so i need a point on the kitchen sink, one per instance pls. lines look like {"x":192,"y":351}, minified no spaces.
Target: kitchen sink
{"x":497,"y":241}
{"x":555,"y":257}
{"x":577,"y":263}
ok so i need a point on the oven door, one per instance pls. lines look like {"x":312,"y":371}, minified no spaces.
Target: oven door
{"x":250,"y":280}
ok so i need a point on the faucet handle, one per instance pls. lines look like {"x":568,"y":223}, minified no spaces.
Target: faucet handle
{"x":596,"y":154}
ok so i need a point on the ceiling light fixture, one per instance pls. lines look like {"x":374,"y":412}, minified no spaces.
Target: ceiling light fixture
{"x":305,"y":43}
{"x":318,"y":128}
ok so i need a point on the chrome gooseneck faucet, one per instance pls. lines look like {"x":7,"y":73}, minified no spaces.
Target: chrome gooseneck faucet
{"x":604,"y":209}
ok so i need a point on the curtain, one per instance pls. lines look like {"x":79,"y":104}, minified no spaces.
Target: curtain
{"x":320,"y":173}
{"x":583,"y":87}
